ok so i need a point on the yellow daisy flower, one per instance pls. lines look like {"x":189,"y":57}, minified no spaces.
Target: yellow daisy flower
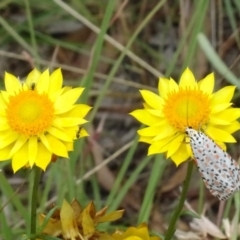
{"x":39,"y":118}
{"x":189,"y":104}
{"x":134,"y":233}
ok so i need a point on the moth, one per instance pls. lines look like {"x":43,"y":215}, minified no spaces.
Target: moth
{"x":220,"y":172}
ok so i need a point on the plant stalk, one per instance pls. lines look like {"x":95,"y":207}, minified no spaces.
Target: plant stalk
{"x":171,"y":229}
{"x":37,"y":173}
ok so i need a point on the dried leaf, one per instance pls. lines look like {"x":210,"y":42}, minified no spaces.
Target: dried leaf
{"x":113,"y":216}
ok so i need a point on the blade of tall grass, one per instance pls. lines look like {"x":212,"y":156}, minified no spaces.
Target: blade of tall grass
{"x":122,"y":191}
{"x":77,"y":158}
{"x":96,"y":192}
{"x":130,"y":181}
{"x":16,"y":36}
{"x":46,"y":191}
{"x":201,"y":10}
{"x":88,"y":78}
{"x":231,"y":15}
{"x":237,"y":3}
{"x":5,"y":228}
{"x":215,"y":60}
{"x":32,"y":32}
{"x":94,"y":28}
{"x":192,"y":24}
{"x":227,"y":208}
{"x":3,"y":3}
{"x":70,"y":179}
{"x":120,"y":176}
{"x":81,"y":7}
{"x":120,"y":58}
{"x":155,"y":176}
{"x":8,"y":191}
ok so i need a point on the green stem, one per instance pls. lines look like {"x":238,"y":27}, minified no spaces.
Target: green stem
{"x":176,"y":214}
{"x":37,"y":173}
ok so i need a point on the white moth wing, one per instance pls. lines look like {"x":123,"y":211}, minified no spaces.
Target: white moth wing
{"x":219,"y":171}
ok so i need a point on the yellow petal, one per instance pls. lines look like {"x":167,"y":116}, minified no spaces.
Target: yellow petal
{"x":233,"y":127}
{"x":161,"y":145}
{"x":72,"y":131}
{"x":32,"y":150}
{"x":219,"y":135}
{"x":5,"y":134}
{"x":151,"y":131}
{"x":83,"y":133}
{"x":68,"y":98}
{"x":156,"y":148}
{"x":12,"y":84}
{"x":187,"y":79}
{"x":66,"y":88}
{"x":5,"y":96}
{"x":141,"y":232}
{"x":32,"y":77}
{"x":44,"y":140}
{"x":175,"y":144}
{"x":3,"y":121}
{"x":165,"y":132}
{"x":2,"y":103}
{"x":4,"y":127}
{"x":152,"y":99}
{"x":21,"y":140}
{"x":230,"y":114}
{"x":221,"y":145}
{"x":163,"y":87}
{"x":63,"y":110}
{"x":156,"y":113}
{"x":218,"y":121}
{"x":4,"y":153}
{"x":20,"y":158}
{"x":207,"y":84}
{"x":220,"y":107}
{"x":145,"y":139}
{"x":10,"y":138}
{"x":69,"y":146}
{"x":79,"y":111}
{"x":106,"y":236}
{"x":146,"y":106}
{"x":224,"y":95}
{"x":173,"y":86}
{"x":68,"y":122}
{"x":180,"y":155}
{"x":54,"y":96}
{"x":55,"y":82}
{"x":43,"y":82}
{"x":60,"y":134}
{"x":58,"y":148}
{"x":43,"y":157}
{"x":144,"y":117}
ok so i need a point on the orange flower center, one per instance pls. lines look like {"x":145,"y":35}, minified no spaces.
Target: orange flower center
{"x":187,"y":107}
{"x":30,"y":113}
